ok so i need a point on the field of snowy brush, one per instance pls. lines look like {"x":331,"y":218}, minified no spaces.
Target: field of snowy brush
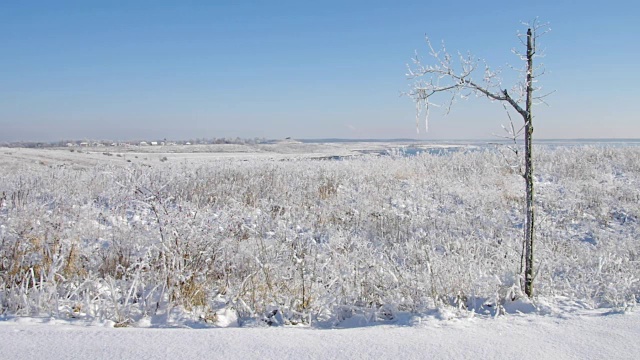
{"x":368,"y":240}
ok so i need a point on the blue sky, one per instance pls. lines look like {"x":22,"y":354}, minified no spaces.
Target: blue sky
{"x":191,"y":69}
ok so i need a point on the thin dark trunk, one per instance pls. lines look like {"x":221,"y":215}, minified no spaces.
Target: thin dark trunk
{"x":528,"y":173}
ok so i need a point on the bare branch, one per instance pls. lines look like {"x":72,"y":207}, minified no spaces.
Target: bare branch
{"x":463,"y":75}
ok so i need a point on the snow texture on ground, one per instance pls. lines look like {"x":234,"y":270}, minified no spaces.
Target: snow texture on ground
{"x":590,"y":335}
{"x":81,"y":157}
{"x":551,"y":333}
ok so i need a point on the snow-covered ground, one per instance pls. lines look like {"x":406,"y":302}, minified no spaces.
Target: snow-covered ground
{"x":591,"y":335}
{"x":150,"y":155}
{"x":189,"y":252}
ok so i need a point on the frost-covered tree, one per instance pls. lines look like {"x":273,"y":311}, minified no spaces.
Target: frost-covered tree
{"x":459,"y":77}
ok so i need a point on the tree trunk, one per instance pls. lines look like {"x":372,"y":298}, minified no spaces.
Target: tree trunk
{"x":528,"y":173}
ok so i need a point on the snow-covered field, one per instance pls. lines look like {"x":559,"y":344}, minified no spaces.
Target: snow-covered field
{"x":369,"y":256}
{"x":150,"y":155}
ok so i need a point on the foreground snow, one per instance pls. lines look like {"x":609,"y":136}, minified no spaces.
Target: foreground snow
{"x":588,"y":335}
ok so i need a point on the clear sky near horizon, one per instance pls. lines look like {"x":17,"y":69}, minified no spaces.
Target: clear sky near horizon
{"x":202,"y":69}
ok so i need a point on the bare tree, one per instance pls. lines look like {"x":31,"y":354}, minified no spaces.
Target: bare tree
{"x":459,"y":77}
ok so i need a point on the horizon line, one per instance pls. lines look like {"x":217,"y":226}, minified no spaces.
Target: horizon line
{"x":327,"y":139}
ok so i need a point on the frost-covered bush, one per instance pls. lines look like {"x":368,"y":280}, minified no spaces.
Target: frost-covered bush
{"x":307,"y":240}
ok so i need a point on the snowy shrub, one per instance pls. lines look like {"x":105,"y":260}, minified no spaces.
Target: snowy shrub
{"x":307,"y":240}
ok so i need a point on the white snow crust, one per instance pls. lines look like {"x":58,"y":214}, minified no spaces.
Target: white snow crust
{"x":590,"y":335}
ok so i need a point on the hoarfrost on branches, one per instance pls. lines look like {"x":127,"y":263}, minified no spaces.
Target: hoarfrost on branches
{"x":447,"y":78}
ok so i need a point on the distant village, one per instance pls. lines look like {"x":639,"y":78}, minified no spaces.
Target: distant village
{"x":133,"y":143}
